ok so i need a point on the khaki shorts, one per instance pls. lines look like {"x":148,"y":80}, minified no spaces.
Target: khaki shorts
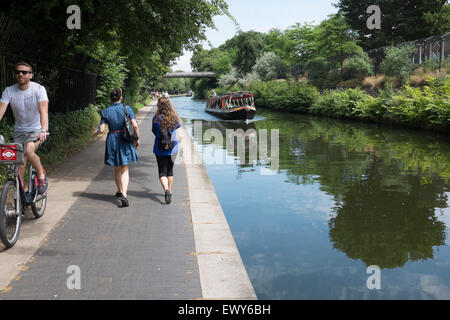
{"x":23,"y":138}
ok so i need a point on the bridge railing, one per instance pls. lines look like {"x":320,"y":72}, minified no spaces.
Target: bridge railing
{"x":190,"y":75}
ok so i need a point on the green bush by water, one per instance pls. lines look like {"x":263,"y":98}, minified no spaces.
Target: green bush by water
{"x":287,"y":95}
{"x":428,"y":108}
{"x":414,"y":107}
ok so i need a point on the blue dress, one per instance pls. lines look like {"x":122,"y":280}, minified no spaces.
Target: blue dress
{"x":118,"y":151}
{"x":156,"y":129}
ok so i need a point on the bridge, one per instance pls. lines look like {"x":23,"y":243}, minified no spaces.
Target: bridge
{"x":190,"y":75}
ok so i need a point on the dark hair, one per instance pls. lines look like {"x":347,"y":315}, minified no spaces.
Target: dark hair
{"x":115,"y":95}
{"x":23,"y":64}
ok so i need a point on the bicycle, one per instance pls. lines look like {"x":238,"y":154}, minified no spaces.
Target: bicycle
{"x":14,"y":199}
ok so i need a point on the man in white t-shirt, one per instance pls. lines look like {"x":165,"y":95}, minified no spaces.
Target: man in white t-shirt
{"x":29,"y":103}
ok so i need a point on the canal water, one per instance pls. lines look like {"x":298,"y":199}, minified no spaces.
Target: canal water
{"x":350,"y":211}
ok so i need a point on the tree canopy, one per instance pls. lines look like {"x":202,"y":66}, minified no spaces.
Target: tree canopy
{"x":148,"y":34}
{"x":400,"y":20}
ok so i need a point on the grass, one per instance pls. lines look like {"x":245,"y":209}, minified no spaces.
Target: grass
{"x":374,"y":81}
{"x":418,"y":78}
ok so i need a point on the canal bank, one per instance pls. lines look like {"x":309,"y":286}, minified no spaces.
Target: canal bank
{"x":147,"y":251}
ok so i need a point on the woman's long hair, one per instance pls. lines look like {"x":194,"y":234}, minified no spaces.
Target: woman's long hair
{"x":169,"y":116}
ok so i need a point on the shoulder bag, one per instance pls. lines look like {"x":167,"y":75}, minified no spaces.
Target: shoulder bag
{"x":129,"y":134}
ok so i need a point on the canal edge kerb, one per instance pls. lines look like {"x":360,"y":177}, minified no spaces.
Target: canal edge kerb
{"x":222,"y":272}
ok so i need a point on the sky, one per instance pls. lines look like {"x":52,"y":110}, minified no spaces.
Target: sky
{"x":261,"y":15}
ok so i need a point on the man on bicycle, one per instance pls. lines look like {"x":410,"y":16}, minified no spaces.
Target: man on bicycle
{"x":29,"y":103}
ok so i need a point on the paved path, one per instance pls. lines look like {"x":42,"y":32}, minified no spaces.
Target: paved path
{"x":149,"y":250}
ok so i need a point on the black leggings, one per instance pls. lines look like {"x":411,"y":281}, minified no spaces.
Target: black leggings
{"x":165,"y":166}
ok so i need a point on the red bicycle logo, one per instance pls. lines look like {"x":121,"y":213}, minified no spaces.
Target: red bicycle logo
{"x":8,"y":154}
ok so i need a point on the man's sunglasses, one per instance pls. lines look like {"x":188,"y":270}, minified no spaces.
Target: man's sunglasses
{"x":22,"y":72}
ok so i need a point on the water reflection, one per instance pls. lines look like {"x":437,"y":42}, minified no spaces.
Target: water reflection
{"x":388,"y":226}
{"x":346,"y":195}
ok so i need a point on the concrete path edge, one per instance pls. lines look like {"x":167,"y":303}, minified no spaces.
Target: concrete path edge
{"x":222,"y":273}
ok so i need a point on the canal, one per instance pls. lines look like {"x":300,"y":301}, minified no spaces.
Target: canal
{"x":347,"y":210}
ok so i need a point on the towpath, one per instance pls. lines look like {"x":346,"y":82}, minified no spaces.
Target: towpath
{"x":86,"y":247}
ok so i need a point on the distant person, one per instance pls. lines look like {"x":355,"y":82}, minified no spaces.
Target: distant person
{"x":164,"y":124}
{"x":118,"y":151}
{"x":29,"y":103}
{"x":214,"y":94}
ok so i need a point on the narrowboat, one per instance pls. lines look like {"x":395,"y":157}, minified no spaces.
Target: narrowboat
{"x":232,"y":106}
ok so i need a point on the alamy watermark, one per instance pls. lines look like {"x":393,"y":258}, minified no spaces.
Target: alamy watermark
{"x":374,"y":281}
{"x":74,"y":20}
{"x":74,"y":280}
{"x":374,"y":21}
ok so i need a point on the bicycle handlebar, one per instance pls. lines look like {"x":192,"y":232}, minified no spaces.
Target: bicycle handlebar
{"x":2,"y":142}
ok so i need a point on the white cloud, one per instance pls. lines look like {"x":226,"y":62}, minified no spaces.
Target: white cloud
{"x":183,"y":62}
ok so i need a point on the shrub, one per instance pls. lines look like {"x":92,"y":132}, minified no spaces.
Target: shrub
{"x":340,"y":103}
{"x":229,"y":78}
{"x":430,"y":65}
{"x":358,"y":66}
{"x":269,"y":67}
{"x":429,"y":108}
{"x":286,"y":95}
{"x":398,"y":63}
{"x":317,"y":68}
{"x":68,"y":132}
{"x":249,"y":78}
{"x":65,"y":136}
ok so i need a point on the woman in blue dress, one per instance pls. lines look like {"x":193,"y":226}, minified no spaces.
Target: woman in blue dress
{"x":165,"y":118}
{"x":118,"y":151}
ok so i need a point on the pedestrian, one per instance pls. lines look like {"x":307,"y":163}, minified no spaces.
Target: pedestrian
{"x":164,"y":124}
{"x":29,"y":103}
{"x":118,"y":151}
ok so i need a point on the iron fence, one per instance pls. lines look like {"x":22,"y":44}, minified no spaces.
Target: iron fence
{"x":68,"y":89}
{"x":435,"y":48}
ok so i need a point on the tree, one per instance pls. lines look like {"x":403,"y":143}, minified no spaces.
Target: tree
{"x":281,"y":44}
{"x":173,"y":85}
{"x":317,"y":68}
{"x":335,"y":39}
{"x":249,"y":48}
{"x":150,"y":34}
{"x":400,"y":21}
{"x":439,"y":21}
{"x":215,"y":60}
{"x":304,"y":44}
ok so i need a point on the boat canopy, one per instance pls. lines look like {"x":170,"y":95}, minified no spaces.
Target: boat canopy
{"x":232,"y":100}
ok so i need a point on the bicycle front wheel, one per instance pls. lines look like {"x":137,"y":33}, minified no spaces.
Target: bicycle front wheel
{"x":38,"y":207}
{"x":40,"y":202}
{"x":10,"y":217}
